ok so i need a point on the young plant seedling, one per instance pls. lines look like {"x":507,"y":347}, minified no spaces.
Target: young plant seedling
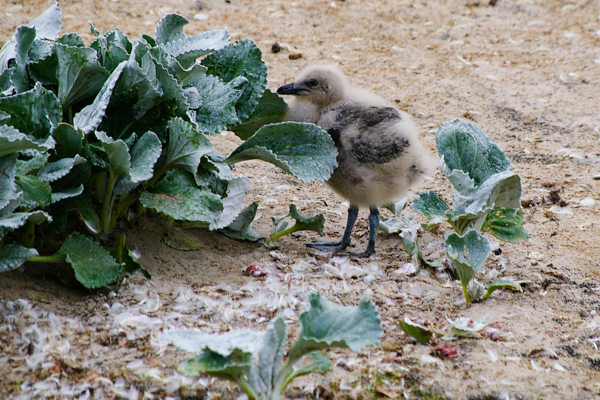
{"x":316,"y":224}
{"x":486,"y":198}
{"x":255,"y":361}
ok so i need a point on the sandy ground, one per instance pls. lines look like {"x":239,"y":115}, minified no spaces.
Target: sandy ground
{"x":526,"y":72}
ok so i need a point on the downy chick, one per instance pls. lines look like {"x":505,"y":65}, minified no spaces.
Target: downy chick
{"x":380,"y":155}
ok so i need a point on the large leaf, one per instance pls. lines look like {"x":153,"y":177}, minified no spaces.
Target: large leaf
{"x":35,"y":112}
{"x":94,"y":267}
{"x":326,"y":325}
{"x":80,"y":75}
{"x":11,"y":141}
{"x":90,"y":117}
{"x":13,"y":256}
{"x":178,"y":197}
{"x":47,"y":26}
{"x":271,"y":355}
{"x":113,"y":48}
{"x":233,"y":203}
{"x":270,"y":109}
{"x":193,"y":341}
{"x":304,"y":150}
{"x":117,"y":153}
{"x":185,"y":148}
{"x":143,"y":156}
{"x":14,"y":220}
{"x":243,"y":58}
{"x":466,"y":148}
{"x":468,"y":254}
{"x":8,"y":185}
{"x":217,"y":110}
{"x":58,"y":169}
{"x":36,"y":192}
{"x":187,"y":49}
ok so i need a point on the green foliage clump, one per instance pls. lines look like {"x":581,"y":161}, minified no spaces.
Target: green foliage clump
{"x":96,"y":133}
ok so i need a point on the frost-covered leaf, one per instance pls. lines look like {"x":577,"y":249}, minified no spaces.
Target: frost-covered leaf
{"x":466,"y":148}
{"x":67,"y":193}
{"x":178,"y":196}
{"x":13,"y":256}
{"x":242,"y":59}
{"x":502,"y":284}
{"x":36,"y":193}
{"x":90,"y":117}
{"x":193,"y":341}
{"x":241,"y":227}
{"x":47,"y":26}
{"x":143,"y":156}
{"x":185,"y":148}
{"x":271,"y":355}
{"x":14,"y":220}
{"x":270,"y":110}
{"x":304,"y":150}
{"x":117,"y":153}
{"x":113,"y":48}
{"x":392,"y":225}
{"x":218,"y":100}
{"x":468,"y":255}
{"x":121,"y":253}
{"x":316,"y":224}
{"x":8,"y":186}
{"x":432,"y":206}
{"x":327,"y":325}
{"x":233,"y":203}
{"x":94,"y":267}
{"x":35,"y":112}
{"x":80,"y":75}
{"x":417,"y":331}
{"x":187,"y":49}
{"x":397,"y":207}
{"x":506,"y":224}
{"x":11,"y":141}
{"x":58,"y":169}
{"x":36,"y":162}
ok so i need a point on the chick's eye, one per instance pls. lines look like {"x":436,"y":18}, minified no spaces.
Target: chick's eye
{"x":313,"y":83}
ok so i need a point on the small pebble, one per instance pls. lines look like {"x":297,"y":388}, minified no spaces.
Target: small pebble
{"x":200,"y":17}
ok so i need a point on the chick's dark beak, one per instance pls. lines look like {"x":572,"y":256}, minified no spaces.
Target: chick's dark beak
{"x":289,"y":89}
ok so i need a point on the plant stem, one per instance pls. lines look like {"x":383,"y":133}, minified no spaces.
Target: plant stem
{"x":286,"y":372}
{"x":283,"y":233}
{"x":466,"y":292}
{"x":107,"y":203}
{"x":55,"y":258}
{"x":248,"y":389}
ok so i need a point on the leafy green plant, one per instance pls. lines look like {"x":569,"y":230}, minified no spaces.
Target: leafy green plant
{"x":91,"y":136}
{"x":486,"y":198}
{"x":254,"y":360}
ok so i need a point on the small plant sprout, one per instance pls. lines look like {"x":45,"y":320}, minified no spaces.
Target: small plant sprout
{"x":316,"y":224}
{"x":255,"y":361}
{"x":486,"y":198}
{"x":460,"y":327}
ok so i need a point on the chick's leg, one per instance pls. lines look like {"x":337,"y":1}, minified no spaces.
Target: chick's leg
{"x":345,"y":242}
